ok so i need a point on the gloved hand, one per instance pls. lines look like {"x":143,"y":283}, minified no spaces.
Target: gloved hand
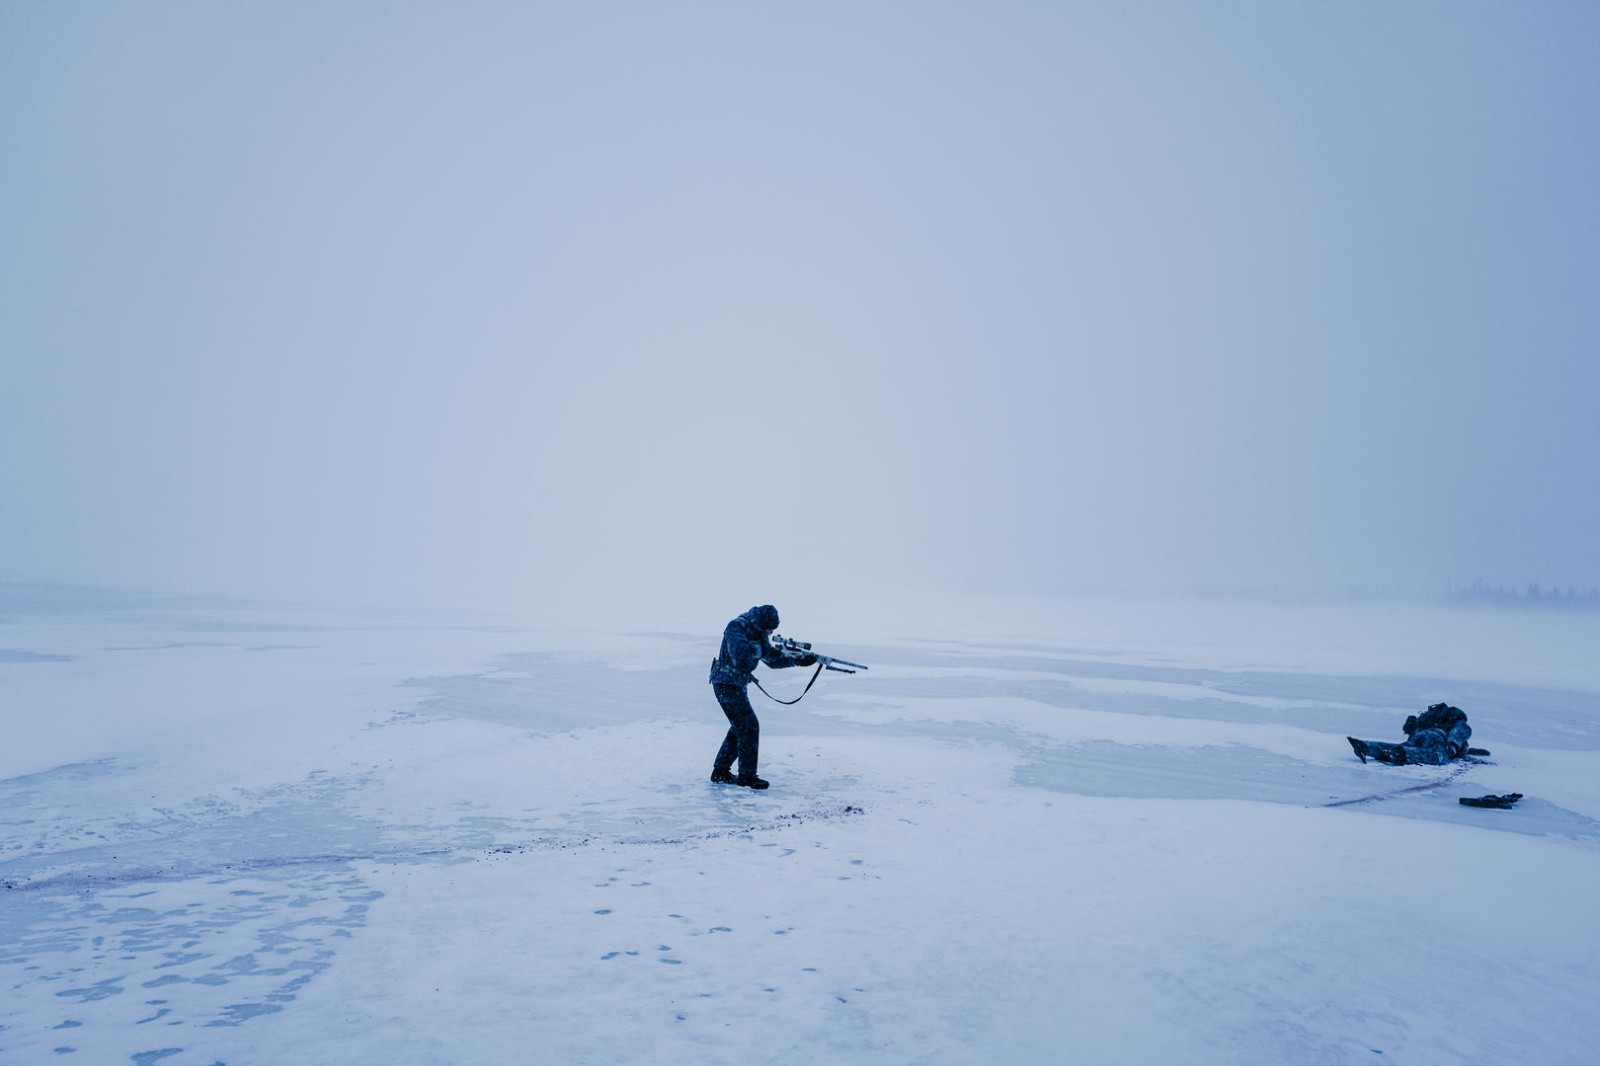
{"x":808,"y":660}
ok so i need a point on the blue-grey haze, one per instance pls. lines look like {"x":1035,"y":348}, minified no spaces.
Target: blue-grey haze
{"x":512,"y":302}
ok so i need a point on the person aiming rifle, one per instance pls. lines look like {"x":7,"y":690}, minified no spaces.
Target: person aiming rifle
{"x":747,"y":641}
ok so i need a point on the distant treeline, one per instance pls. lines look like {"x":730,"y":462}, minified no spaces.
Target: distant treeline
{"x":1531,"y":595}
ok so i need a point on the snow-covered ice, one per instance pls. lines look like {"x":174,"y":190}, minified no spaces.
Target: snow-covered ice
{"x":1048,"y":831}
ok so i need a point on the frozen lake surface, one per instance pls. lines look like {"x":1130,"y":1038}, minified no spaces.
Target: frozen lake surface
{"x":1075,"y":831}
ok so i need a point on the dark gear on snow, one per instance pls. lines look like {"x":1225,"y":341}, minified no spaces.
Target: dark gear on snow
{"x":1433,"y":738}
{"x":1503,"y":803}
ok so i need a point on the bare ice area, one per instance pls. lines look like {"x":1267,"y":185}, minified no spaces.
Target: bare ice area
{"x":1077,"y":831}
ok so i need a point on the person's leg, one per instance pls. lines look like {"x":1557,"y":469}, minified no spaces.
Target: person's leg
{"x":742,"y":717}
{"x":723,"y":766}
{"x":744,"y":732}
{"x":1394,"y":754}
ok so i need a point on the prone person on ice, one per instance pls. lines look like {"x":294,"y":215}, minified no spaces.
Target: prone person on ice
{"x":744,"y":644}
{"x":1434,"y":737}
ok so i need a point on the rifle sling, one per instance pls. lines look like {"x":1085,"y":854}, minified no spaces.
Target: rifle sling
{"x":797,"y":699}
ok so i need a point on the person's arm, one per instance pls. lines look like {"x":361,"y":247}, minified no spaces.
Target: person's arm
{"x":747,"y":653}
{"x":779,"y":661}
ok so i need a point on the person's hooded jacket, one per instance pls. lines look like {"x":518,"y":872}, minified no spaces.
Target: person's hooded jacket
{"x":744,"y":644}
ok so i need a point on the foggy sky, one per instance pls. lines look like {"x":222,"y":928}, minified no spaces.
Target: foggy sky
{"x":510,"y":303}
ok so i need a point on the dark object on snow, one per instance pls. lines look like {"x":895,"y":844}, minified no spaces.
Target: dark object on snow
{"x":750,"y":781}
{"x":1498,"y":802}
{"x":1477,"y":751}
{"x":1433,"y":738}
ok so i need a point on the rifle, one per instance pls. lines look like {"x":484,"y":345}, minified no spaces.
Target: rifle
{"x":799,"y":649}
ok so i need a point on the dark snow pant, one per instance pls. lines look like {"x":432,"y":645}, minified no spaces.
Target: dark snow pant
{"x":1427,"y":746}
{"x":744,"y":731}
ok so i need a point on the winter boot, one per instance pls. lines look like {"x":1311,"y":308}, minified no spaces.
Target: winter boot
{"x":750,"y":781}
{"x":1358,"y":746}
{"x":723,"y":777}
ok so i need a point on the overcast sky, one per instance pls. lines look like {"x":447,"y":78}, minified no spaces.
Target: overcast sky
{"x":506,"y":303}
